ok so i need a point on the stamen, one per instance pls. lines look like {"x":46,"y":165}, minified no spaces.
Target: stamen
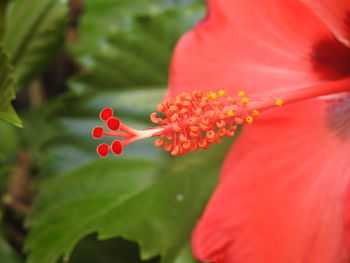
{"x":279,"y":102}
{"x":192,"y":121}
{"x":189,"y":121}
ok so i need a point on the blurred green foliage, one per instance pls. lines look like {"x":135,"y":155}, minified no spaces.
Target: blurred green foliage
{"x":33,"y":35}
{"x":7,"y":253}
{"x":141,"y":206}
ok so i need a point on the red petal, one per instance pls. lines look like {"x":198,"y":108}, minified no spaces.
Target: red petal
{"x":281,"y":194}
{"x":249,"y":45}
{"x":335,"y":14}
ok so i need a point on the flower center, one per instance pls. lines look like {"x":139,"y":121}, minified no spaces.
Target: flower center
{"x":192,"y":121}
{"x":338,"y":117}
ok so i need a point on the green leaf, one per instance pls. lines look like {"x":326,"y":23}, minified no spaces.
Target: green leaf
{"x":142,"y":196}
{"x":138,"y":199}
{"x":116,"y":250}
{"x":10,"y":146}
{"x":7,"y":254}
{"x":3,"y":5}
{"x":33,"y":36}
{"x":65,"y":141}
{"x":105,"y":17}
{"x":7,"y":113}
{"x":130,"y":44}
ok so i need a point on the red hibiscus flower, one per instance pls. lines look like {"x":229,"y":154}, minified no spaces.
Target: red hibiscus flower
{"x":282,"y":195}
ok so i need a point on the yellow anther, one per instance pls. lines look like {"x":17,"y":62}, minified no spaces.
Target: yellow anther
{"x":241,"y":94}
{"x":222,"y":93}
{"x":245,"y":100}
{"x":230,"y":113}
{"x":279,"y":102}
{"x":249,"y":120}
{"x":255,"y":112}
{"x":212,"y":95}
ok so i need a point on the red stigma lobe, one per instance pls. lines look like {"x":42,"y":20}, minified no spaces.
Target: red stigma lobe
{"x":106,"y":114}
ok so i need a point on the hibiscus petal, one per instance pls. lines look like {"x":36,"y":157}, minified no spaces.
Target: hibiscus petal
{"x":335,"y":14}
{"x":249,"y":45}
{"x":281,"y":194}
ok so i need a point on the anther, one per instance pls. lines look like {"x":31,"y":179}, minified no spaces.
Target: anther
{"x":211,"y":114}
{"x":159,"y":142}
{"x":245,"y":100}
{"x":173,"y":108}
{"x":203,"y":143}
{"x":174,"y":117}
{"x":238,"y":120}
{"x":186,"y":145}
{"x":255,"y":112}
{"x":210,"y":134}
{"x":183,"y":111}
{"x":249,"y":120}
{"x":203,"y":126}
{"x":154,"y":118}
{"x":160,"y":107}
{"x":241,"y":94}
{"x":182,"y":138}
{"x":230,"y":133}
{"x":222,"y":93}
{"x":212,"y":95}
{"x":176,"y":127}
{"x":222,"y":132}
{"x":187,"y":103}
{"x":220,"y":124}
{"x":168,"y":146}
{"x":176,"y":150}
{"x":279,"y":102}
{"x":194,"y":134}
{"x":230,"y":113}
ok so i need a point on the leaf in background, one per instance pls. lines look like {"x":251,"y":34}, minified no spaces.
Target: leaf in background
{"x":7,"y":112}
{"x":131,"y":49}
{"x":64,"y":141}
{"x":8,"y":151}
{"x":104,"y":17}
{"x":142,"y":196}
{"x":137,"y":199}
{"x":7,"y":254}
{"x":3,"y":5}
{"x":115,"y":250}
{"x":34,"y":34}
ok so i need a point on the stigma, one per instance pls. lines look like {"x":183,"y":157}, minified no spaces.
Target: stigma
{"x":185,"y":123}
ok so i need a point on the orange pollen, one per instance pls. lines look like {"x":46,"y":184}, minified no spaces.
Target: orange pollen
{"x":196,"y":120}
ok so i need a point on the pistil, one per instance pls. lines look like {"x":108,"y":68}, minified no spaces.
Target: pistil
{"x":192,"y":121}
